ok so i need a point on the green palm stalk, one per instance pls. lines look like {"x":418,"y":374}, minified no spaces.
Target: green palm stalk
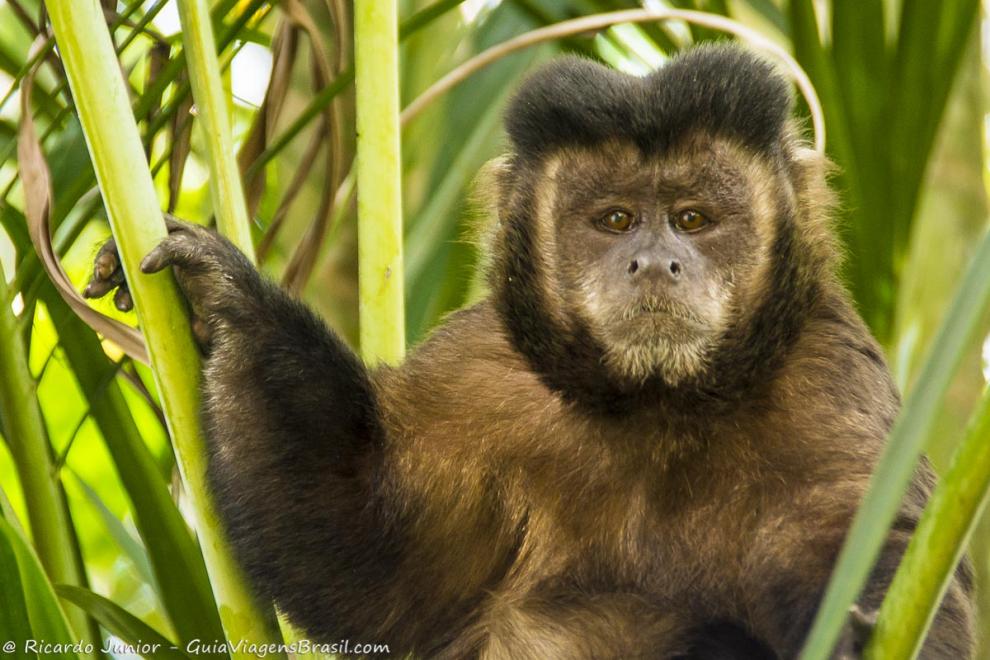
{"x":211,"y":103}
{"x":212,"y":99}
{"x":937,"y":545}
{"x":135,"y":217}
{"x":379,"y":180}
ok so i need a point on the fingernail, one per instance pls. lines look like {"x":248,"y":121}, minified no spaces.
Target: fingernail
{"x":104,"y":267}
{"x":150,"y":263}
{"x":123,"y":300}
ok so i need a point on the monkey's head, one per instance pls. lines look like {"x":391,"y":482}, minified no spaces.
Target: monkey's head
{"x":664,"y":231}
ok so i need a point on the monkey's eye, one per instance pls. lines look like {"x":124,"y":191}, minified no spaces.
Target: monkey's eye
{"x":690,"y":220}
{"x":617,"y":221}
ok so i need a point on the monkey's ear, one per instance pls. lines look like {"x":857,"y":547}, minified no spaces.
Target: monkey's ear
{"x":572,"y":100}
{"x":723,"y":89}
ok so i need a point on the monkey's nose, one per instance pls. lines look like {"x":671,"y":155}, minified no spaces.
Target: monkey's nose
{"x":646,"y":265}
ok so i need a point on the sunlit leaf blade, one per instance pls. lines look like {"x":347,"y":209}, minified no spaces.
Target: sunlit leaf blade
{"x":115,"y":527}
{"x":27,"y":440}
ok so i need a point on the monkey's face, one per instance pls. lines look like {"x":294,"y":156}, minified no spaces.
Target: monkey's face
{"x":648,"y":225}
{"x":658,"y":256}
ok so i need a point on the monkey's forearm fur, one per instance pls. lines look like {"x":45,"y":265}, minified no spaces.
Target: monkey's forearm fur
{"x":303,"y":473}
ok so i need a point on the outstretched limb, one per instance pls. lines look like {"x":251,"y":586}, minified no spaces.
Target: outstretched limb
{"x":299,"y":462}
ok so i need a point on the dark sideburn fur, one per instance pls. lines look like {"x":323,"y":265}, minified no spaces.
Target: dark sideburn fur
{"x":503,"y":493}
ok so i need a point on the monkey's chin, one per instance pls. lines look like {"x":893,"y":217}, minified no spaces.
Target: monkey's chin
{"x":675,"y":349}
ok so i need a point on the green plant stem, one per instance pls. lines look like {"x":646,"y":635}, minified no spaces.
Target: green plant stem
{"x":896,"y":466}
{"x":211,"y":103}
{"x":212,"y":99}
{"x":409,"y":27}
{"x":28,"y":442}
{"x":379,"y":179}
{"x":174,"y":556}
{"x":136,"y":220}
{"x":937,"y":545}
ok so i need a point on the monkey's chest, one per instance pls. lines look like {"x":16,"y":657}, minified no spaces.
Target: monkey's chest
{"x":599,"y":580}
{"x":664,"y":544}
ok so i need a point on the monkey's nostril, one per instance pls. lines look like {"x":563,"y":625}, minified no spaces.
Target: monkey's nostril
{"x":675,"y":268}
{"x":633,"y":267}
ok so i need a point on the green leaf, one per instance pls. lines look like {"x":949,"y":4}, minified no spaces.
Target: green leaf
{"x":439,"y":258}
{"x":51,"y":524}
{"x":127,"y":543}
{"x":47,"y":619}
{"x":144,"y":639}
{"x":180,"y":573}
{"x":15,"y":624}
{"x":436,"y":225}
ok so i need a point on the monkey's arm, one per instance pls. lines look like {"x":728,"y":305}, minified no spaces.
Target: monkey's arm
{"x":300,"y":465}
{"x":843,"y":402}
{"x":789,"y":599}
{"x":950,"y":635}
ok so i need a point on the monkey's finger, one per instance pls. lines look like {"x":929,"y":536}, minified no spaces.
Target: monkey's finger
{"x":122,"y":300}
{"x":173,"y":224}
{"x":862,"y":622}
{"x":107,"y":260}
{"x":156,"y":260}
{"x":99,"y":287}
{"x":189,"y":249}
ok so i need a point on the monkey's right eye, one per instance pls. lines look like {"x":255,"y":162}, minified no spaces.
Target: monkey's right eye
{"x":617,"y":221}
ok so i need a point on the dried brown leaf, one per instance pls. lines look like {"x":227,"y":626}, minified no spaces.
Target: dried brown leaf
{"x":36,"y":182}
{"x":303,"y":260}
{"x":291,"y":192}
{"x":301,"y":16}
{"x":180,"y":132}
{"x":284,"y":50}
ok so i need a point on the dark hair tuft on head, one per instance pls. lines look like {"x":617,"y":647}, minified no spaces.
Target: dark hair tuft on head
{"x":725,"y":90}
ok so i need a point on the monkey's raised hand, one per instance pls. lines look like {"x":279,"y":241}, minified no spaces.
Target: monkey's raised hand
{"x":212,"y":273}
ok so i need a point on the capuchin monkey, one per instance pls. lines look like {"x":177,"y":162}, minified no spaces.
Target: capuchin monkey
{"x":649,"y":440}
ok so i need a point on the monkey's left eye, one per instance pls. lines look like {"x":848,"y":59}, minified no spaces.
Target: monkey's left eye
{"x":690,"y":220}
{"x":619,"y":221}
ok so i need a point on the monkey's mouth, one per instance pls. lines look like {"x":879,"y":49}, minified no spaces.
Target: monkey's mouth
{"x":660,"y":308}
